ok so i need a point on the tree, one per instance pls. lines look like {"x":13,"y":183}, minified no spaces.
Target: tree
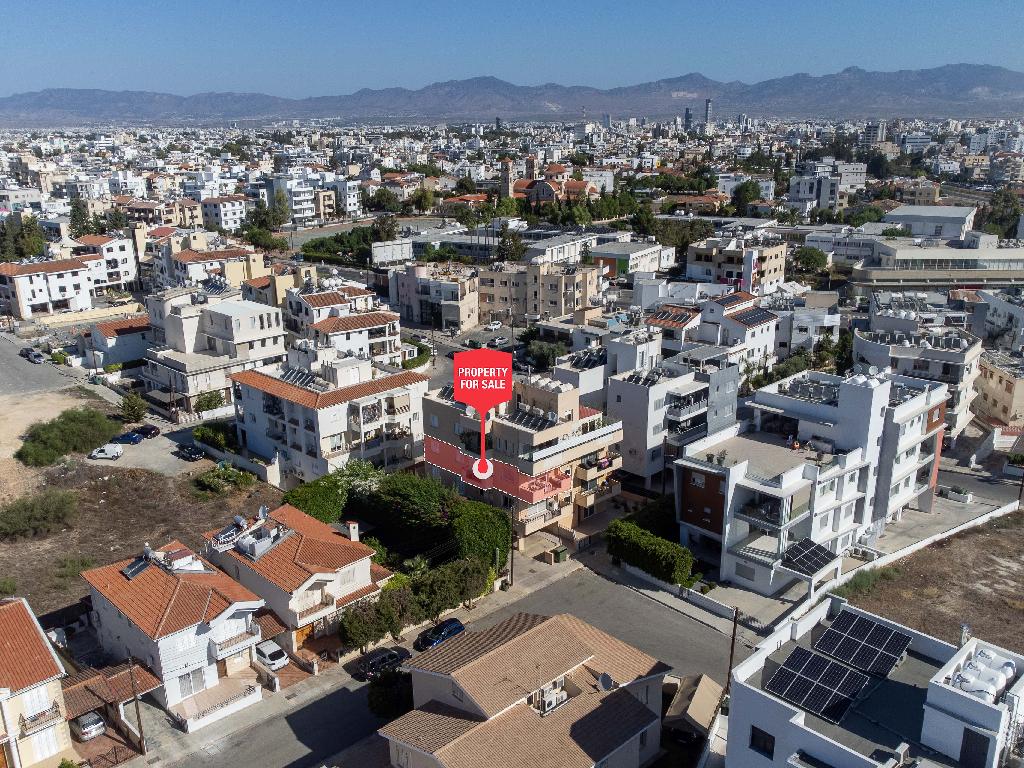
{"x":21,"y":239}
{"x":423,"y":199}
{"x":643,"y":221}
{"x":385,"y":228}
{"x":510,"y":245}
{"x":360,"y":625}
{"x":465,"y":186}
{"x":878,"y":165}
{"x":280,"y":212}
{"x":482,"y":531}
{"x":133,"y":408}
{"x":397,"y":609}
{"x":744,"y":194}
{"x":79,"y":224}
{"x":544,"y":352}
{"x":389,"y":694}
{"x":437,"y":591}
{"x":117,"y":219}
{"x":323,"y":498}
{"x":414,"y":501}
{"x":208,"y":401}
{"x":810,"y":259}
{"x":1002,"y":213}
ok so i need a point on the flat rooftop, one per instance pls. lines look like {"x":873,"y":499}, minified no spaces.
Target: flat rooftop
{"x":768,"y":453}
{"x":889,"y":711}
{"x":931,"y":211}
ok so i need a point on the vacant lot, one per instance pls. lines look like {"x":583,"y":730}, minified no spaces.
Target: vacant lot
{"x":976,"y":577}
{"x":119,"y":510}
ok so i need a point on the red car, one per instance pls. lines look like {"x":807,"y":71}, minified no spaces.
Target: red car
{"x":147,"y":431}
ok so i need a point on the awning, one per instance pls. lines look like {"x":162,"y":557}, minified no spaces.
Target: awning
{"x":694,"y":705}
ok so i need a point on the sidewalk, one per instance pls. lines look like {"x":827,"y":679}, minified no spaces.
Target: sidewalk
{"x":169,"y":745}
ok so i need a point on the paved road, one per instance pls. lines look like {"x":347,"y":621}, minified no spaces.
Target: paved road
{"x":19,"y":376}
{"x":982,"y":484}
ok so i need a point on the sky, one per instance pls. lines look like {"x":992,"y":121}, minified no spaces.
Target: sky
{"x":300,"y":48}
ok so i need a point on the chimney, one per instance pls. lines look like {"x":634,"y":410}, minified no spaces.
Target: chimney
{"x":352,"y":528}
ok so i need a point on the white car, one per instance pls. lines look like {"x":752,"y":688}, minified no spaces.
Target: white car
{"x":271,"y":655}
{"x":111,"y":451}
{"x":494,"y":325}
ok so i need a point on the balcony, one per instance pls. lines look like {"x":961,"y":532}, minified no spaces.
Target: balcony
{"x":41,"y":720}
{"x":605,"y":431}
{"x":277,"y":437}
{"x":683,"y":410}
{"x":766,"y":512}
{"x":592,"y":469}
{"x":680,"y":437}
{"x":231,"y":645}
{"x":326,"y":601}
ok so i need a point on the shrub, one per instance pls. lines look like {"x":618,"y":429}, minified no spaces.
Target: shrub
{"x":396,"y":609}
{"x":208,"y":401}
{"x":323,"y":498}
{"x":221,"y":478}
{"x":59,"y":357}
{"x":413,"y":502}
{"x":422,"y":357}
{"x":8,"y":586}
{"x":1017,"y":459}
{"x":37,"y":515}
{"x":217,"y":434}
{"x":133,"y":408}
{"x":381,"y":555}
{"x":658,"y":517}
{"x":665,"y":560}
{"x":864,"y":581}
{"x":361,"y":625}
{"x":958,"y":489}
{"x":446,"y":586}
{"x":480,"y":530}
{"x":389,"y":695}
{"x":77,"y":430}
{"x":71,"y":567}
{"x":112,"y":367}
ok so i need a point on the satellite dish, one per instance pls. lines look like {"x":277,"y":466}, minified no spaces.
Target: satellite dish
{"x":858,"y":368}
{"x":873,"y":370}
{"x":606,"y":682}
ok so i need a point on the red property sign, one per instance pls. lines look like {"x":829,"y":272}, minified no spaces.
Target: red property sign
{"x":483,"y":380}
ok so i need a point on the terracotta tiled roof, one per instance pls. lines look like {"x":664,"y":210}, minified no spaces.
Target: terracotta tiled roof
{"x":310,"y":548}
{"x":555,"y":168}
{"x":311,"y":399}
{"x":356,"y":322}
{"x":58,"y":265}
{"x":270,"y":625}
{"x":89,"y":689}
{"x":340,"y":295}
{"x":161,"y":231}
{"x":672,"y":316}
{"x":189,"y":256}
{"x":26,"y":658}
{"x":94,"y":240}
{"x":161,"y":602}
{"x":124,"y":327}
{"x":258,"y":282}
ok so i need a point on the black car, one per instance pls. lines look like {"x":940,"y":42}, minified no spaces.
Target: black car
{"x":473,"y":344}
{"x":147,"y":431}
{"x":451,"y":355}
{"x":191,"y":453}
{"x":26,"y":351}
{"x":379,"y":661}
{"x":438,"y":634}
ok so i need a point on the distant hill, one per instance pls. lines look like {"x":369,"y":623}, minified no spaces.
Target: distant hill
{"x":955,"y":90}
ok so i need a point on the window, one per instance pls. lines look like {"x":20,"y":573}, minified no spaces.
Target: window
{"x":643,"y":738}
{"x":697,"y":480}
{"x":762,"y":742}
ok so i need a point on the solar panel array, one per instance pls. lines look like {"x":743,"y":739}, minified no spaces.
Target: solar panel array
{"x":863,"y":643}
{"x":135,"y":567}
{"x":754,"y":316}
{"x":821,"y":686}
{"x":731,"y":298}
{"x":807,"y":558}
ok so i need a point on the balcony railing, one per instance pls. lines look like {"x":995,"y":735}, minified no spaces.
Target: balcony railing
{"x":683,"y":410}
{"x":41,"y":720}
{"x":221,"y":646}
{"x":325,"y":602}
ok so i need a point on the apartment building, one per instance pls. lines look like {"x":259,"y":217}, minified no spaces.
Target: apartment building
{"x":552,"y":456}
{"x":309,"y":421}
{"x":115,"y":341}
{"x":310,"y":304}
{"x":372,"y":335}
{"x":852,"y":689}
{"x":563,"y":248}
{"x":1000,"y":388}
{"x":347,"y":201}
{"x":755,"y":263}
{"x":1002,"y":318}
{"x":299,"y":194}
{"x":802,"y":323}
{"x":727,"y":182}
{"x":736,"y":321}
{"x":948,"y":355}
{"x":226,"y":212}
{"x":191,"y":267}
{"x":590,"y":366}
{"x":946,"y":222}
{"x":667,"y":405}
{"x":522,"y":292}
{"x":305,"y":571}
{"x":828,"y":462}
{"x":112,"y":261}
{"x":628,"y":258}
{"x":38,"y":286}
{"x":33,"y":725}
{"x":200,"y":339}
{"x":272,"y":289}
{"x":443,"y":296}
{"x":550,"y":683}
{"x":190,"y":623}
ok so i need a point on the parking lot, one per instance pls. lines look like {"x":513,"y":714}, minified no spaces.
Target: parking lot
{"x":158,"y":454}
{"x":19,"y":376}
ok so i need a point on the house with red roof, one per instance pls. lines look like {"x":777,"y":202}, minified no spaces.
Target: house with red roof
{"x":116,"y":341}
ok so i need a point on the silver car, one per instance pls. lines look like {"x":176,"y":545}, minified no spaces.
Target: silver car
{"x":88,"y":726}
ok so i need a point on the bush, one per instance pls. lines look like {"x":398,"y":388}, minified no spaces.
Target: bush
{"x":422,"y":358}
{"x":220,"y":479}
{"x":958,"y":489}
{"x":323,"y":498}
{"x":414,"y":502}
{"x":59,"y":357}
{"x":361,"y":625}
{"x":112,"y":367}
{"x":864,"y":581}
{"x":71,"y":567}
{"x":397,"y":609}
{"x":389,"y":695}
{"x":480,"y":530}
{"x":445,"y":587}
{"x":665,"y":560}
{"x":78,"y":430}
{"x":37,"y":515}
{"x":208,"y":401}
{"x":133,"y":408}
{"x":1017,"y":459}
{"x":381,"y":555}
{"x":217,"y":434}
{"x":658,"y":517}
{"x":8,"y":586}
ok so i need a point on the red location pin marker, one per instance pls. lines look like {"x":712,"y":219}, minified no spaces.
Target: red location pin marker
{"x":483,"y":380}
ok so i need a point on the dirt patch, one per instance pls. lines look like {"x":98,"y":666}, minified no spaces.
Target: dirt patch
{"x":975,"y":577}
{"x":22,"y":411}
{"x":119,"y":510}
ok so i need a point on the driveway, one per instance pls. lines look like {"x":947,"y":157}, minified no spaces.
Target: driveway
{"x":19,"y":376}
{"x":158,"y":454}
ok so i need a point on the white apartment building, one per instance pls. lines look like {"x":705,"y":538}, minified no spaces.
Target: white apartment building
{"x":373,"y":336}
{"x":112,"y":261}
{"x":559,"y":249}
{"x":306,"y":306}
{"x":299,"y":193}
{"x":947,"y":355}
{"x":828,"y":463}
{"x":308,"y":424}
{"x":201,"y":338}
{"x":801,"y":326}
{"x":749,"y":331}
{"x":801,"y":700}
{"x":946,"y":222}
{"x":727,"y":182}
{"x":347,"y":200}
{"x":306,"y":572}
{"x":39,"y":286}
{"x":628,"y":258}
{"x":190,"y":623}
{"x":225,"y":212}
{"x":191,"y":267}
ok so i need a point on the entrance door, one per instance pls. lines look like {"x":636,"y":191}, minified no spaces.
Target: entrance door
{"x":973,"y":749}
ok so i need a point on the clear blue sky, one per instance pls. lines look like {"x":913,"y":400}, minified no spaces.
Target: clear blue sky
{"x":306,"y":48}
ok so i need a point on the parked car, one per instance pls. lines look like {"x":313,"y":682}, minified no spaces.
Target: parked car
{"x":36,"y":357}
{"x":110,"y":451}
{"x":379,"y":661}
{"x":147,"y":430}
{"x":494,"y":325}
{"x":500,"y":341}
{"x":26,"y":351}
{"x":271,"y":655}
{"x":128,"y":438}
{"x":473,"y":344}
{"x":191,"y":453}
{"x":438,"y":634}
{"x":451,"y":355}
{"x":419,"y":338}
{"x":88,"y":726}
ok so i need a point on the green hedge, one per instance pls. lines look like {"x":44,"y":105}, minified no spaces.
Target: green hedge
{"x":217,"y":434}
{"x":77,"y":430}
{"x":665,"y":560}
{"x":37,"y":515}
{"x":421,"y":359}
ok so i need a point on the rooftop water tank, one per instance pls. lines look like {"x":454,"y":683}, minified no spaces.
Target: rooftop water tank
{"x":970,"y":685}
{"x":994,"y":661}
{"x":986,"y":675}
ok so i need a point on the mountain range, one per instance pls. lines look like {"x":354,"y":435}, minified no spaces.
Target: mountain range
{"x":954,"y":90}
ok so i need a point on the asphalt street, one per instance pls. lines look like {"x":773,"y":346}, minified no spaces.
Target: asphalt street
{"x":19,"y":376}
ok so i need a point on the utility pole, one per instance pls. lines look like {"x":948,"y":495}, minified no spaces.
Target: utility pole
{"x":732,"y":650}
{"x":135,"y":695}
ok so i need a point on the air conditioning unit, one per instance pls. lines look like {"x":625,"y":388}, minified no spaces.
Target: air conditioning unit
{"x":552,"y":699}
